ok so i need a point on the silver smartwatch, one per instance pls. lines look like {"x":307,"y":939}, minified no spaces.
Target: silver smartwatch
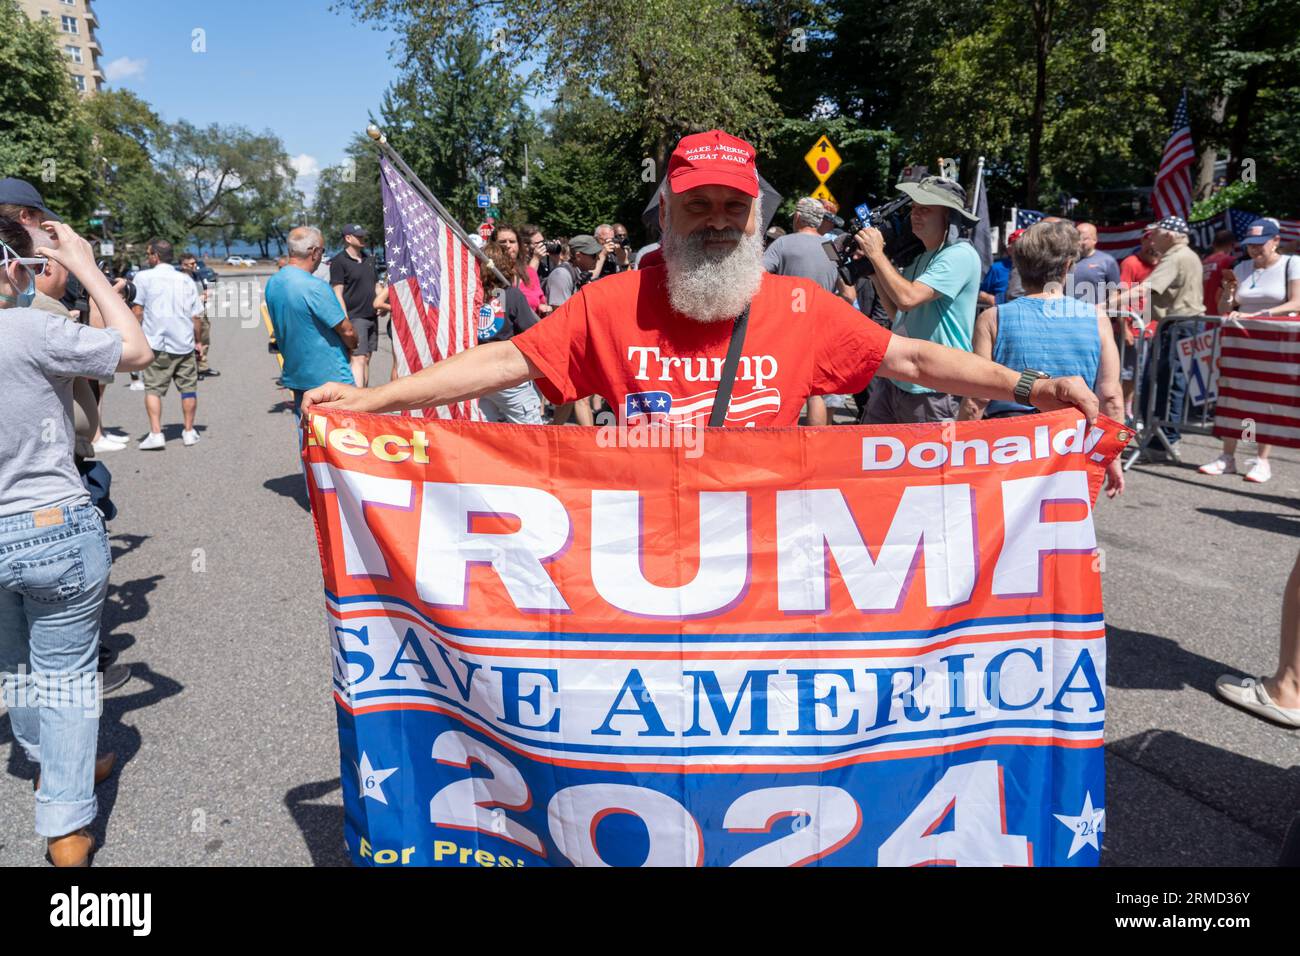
{"x":1026,"y":383}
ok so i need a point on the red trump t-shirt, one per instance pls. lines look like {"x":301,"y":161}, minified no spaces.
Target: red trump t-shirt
{"x":619,"y":338}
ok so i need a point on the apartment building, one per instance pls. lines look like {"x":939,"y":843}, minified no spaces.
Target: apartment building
{"x":75,"y":23}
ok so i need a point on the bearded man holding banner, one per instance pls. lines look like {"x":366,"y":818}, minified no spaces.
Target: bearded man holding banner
{"x":662,"y":342}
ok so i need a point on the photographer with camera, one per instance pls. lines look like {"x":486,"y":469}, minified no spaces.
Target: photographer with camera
{"x":615,"y":249}
{"x":933,"y":298}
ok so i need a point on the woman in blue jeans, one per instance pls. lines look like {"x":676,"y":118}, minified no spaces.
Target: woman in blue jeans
{"x":1049,"y":331}
{"x":54,"y":554}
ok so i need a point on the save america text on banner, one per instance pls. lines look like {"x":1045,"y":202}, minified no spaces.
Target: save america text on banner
{"x":834,"y":646}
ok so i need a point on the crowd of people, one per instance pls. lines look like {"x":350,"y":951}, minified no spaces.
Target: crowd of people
{"x":579,"y":327}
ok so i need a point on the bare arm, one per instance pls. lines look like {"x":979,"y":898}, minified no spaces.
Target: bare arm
{"x":972,"y":376}
{"x":347,"y":333}
{"x":1109,"y":393}
{"x":904,"y":293}
{"x":982,"y":339}
{"x":338,"y":293}
{"x":466,"y":375}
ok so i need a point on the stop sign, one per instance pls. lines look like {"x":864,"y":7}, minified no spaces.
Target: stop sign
{"x":485,"y":230}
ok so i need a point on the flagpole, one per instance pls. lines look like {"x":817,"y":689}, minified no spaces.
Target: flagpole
{"x":376,"y":134}
{"x":979,"y":179}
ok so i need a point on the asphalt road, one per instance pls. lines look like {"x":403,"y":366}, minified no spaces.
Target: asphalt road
{"x":226,"y":731}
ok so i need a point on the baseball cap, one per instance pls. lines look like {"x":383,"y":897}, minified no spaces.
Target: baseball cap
{"x":938,"y":191}
{"x":356,"y":229}
{"x":589,"y":245}
{"x":714,"y":158}
{"x":1174,"y":224}
{"x":1260,"y":231}
{"x":19,"y":192}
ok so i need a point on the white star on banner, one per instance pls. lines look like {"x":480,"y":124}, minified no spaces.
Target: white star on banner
{"x":1085,"y":827}
{"x":372,"y":780}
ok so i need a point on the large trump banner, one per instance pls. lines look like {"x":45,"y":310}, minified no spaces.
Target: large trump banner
{"x":645,"y":646}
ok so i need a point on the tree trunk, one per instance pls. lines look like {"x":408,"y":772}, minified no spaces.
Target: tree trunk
{"x":1241,"y":124}
{"x":1210,"y":155}
{"x":1042,"y":12}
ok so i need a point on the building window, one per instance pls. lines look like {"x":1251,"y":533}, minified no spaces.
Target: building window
{"x":68,"y":3}
{"x":73,"y":52}
{"x":79,"y":82}
{"x":45,"y":14}
{"x":69,"y":24}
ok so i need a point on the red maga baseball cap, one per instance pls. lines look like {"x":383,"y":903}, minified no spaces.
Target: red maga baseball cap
{"x":714,"y":158}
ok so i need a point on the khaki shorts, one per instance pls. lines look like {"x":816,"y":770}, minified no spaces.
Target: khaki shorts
{"x":168,"y":367}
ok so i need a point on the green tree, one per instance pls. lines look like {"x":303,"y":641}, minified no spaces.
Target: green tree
{"x":142,"y":200}
{"x":349,"y":193}
{"x":668,"y":66}
{"x":227,"y":175}
{"x":585,"y":172}
{"x":458,"y":118}
{"x":43,"y":135}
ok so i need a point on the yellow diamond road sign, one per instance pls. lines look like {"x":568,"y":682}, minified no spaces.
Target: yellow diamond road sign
{"x":821,"y":192}
{"x":822,"y":159}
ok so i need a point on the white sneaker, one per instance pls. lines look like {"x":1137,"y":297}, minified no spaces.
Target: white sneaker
{"x":137,"y":385}
{"x":1223,"y":465}
{"x":190,"y":437}
{"x":154,"y":442}
{"x":106,"y":444}
{"x":1259,"y":472}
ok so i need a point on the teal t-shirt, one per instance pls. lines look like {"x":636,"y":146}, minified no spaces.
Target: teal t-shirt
{"x":952,"y":270}
{"x":305,"y":313}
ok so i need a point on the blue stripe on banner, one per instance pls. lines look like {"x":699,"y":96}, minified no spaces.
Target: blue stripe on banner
{"x":714,"y":638}
{"x":813,"y":751}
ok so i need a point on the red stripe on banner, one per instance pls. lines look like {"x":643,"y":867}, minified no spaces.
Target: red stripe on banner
{"x":585,"y":654}
{"x":731,"y":768}
{"x":1269,"y":398}
{"x":1252,"y":375}
{"x":401,"y":325}
{"x":1258,"y":355}
{"x":1231,"y":411}
{"x":1260,"y":335}
{"x":1262,"y":437}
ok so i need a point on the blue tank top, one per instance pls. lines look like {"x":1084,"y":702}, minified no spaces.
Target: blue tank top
{"x":1057,"y":336}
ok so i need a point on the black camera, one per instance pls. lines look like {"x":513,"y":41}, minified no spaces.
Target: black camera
{"x":894,"y":220}
{"x":553,"y":247}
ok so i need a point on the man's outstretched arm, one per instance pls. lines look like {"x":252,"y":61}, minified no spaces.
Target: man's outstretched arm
{"x":970,"y":376}
{"x":469,"y":374}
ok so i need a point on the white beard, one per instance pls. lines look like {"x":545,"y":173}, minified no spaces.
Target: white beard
{"x":711,"y":285}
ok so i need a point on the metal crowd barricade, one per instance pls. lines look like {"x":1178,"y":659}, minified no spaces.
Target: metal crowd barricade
{"x":1159,"y":418}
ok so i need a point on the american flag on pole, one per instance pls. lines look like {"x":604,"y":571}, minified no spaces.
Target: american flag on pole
{"x":434,"y":289}
{"x":1259,"y":380}
{"x":1173,"y":192}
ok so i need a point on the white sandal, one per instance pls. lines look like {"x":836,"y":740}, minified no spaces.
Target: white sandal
{"x":1249,"y":694}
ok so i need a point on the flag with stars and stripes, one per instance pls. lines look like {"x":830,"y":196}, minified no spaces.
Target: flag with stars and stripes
{"x":1173,"y":191}
{"x":433,"y":286}
{"x":1027,"y":217}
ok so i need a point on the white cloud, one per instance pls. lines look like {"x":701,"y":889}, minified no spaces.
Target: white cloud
{"x":123,"y":68}
{"x":305,"y":165}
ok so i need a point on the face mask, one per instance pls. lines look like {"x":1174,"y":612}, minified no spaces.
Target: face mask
{"x":24,"y":298}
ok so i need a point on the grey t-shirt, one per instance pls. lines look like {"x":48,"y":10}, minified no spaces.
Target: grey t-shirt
{"x":560,"y":285}
{"x":801,"y":254}
{"x":40,"y":355}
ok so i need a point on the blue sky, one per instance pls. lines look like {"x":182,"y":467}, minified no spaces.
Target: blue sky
{"x":291,"y":66}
